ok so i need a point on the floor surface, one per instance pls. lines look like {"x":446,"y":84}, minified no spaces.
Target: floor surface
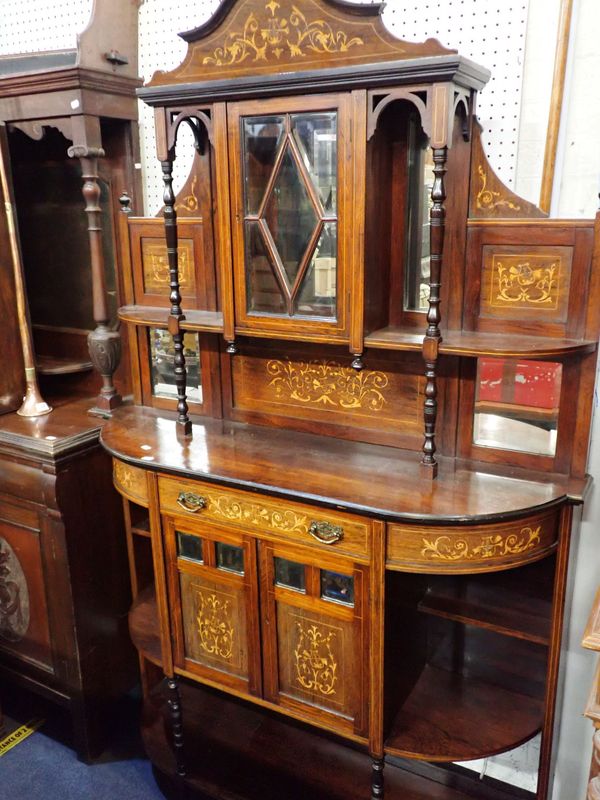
{"x":43,"y":768}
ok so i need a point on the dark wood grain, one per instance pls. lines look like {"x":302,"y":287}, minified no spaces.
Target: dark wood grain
{"x":325,"y":470}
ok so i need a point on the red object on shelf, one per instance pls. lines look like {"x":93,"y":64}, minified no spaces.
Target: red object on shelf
{"x":532,"y":383}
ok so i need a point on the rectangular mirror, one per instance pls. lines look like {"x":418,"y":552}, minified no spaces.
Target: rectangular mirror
{"x":162,"y":365}
{"x":516,"y":405}
{"x":419,"y":183}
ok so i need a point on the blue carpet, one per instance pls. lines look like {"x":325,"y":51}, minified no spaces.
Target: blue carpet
{"x":40,"y":768}
{"x":44,"y":767}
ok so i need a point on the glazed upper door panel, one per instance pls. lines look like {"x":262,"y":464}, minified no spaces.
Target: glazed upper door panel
{"x":290,"y":198}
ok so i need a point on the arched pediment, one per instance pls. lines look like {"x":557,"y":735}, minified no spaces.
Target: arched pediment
{"x":254,"y":37}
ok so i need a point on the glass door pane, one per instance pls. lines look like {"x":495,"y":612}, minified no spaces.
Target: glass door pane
{"x":289,"y":165}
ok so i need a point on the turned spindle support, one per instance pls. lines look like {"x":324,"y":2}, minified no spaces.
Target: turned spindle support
{"x":174,"y":703}
{"x":377,"y":766}
{"x":104,"y":344}
{"x":176,"y":317}
{"x":433,"y":337}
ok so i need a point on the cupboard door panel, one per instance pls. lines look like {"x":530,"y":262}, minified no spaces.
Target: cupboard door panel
{"x":214,"y":605}
{"x":315,"y":636}
{"x":214,"y":624}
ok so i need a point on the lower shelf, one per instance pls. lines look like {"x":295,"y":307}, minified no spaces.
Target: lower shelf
{"x":448,"y":717}
{"x":143,"y":626}
{"x":235,"y":751}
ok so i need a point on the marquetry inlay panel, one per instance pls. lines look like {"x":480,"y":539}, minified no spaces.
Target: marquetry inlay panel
{"x":214,"y":624}
{"x":526,"y":282}
{"x":156,"y":266}
{"x":130,"y":482}
{"x":267,"y":516}
{"x":476,"y":548}
{"x":315,"y":657}
{"x":258,"y":36}
{"x":14,"y":595}
{"x":383,"y":395}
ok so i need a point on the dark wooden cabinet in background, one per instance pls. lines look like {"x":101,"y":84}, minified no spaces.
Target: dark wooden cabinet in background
{"x":70,"y":120}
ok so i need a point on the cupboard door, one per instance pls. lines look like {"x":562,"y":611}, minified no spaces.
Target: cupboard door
{"x":214,"y":608}
{"x":290,"y":193}
{"x":314,"y":636}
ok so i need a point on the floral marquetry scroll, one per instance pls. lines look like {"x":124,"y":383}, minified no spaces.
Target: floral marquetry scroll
{"x":478,"y":548}
{"x":257,"y":36}
{"x":315,"y":657}
{"x":156,"y":266}
{"x":214,"y":624}
{"x":327,"y":383}
{"x":130,"y":482}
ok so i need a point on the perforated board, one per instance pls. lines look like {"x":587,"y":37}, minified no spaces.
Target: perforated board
{"x":491,"y":32}
{"x":28,"y":26}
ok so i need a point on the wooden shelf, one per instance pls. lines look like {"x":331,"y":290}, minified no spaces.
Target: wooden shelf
{"x":477,"y":343}
{"x":51,"y":365}
{"x":201,"y":321}
{"x":252,"y":754}
{"x":450,"y":717}
{"x":143,"y":626}
{"x":142,"y":528}
{"x":517,"y":605}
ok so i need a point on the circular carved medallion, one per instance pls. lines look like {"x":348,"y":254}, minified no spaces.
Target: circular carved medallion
{"x":14,"y":595}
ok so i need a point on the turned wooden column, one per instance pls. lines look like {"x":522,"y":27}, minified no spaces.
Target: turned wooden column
{"x":433,"y":336}
{"x":176,"y":317}
{"x":104,"y":344}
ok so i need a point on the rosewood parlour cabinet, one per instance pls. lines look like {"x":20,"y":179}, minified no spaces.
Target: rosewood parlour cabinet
{"x":363,"y":372}
{"x":68,"y":128}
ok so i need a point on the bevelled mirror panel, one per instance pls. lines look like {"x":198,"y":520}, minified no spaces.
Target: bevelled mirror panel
{"x":419,"y":170}
{"x":516,"y":405}
{"x":290,"y":179}
{"x":162,"y":364}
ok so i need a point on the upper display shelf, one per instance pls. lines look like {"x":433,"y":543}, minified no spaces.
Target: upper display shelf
{"x":280,"y":44}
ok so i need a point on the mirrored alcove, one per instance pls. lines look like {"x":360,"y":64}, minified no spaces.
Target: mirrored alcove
{"x":516,"y":405}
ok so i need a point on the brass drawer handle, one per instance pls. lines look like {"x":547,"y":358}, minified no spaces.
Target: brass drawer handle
{"x":191,"y":502}
{"x":325,"y":532}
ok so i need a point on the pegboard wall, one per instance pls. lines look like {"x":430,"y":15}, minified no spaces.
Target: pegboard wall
{"x":491,"y":32}
{"x":28,"y":26}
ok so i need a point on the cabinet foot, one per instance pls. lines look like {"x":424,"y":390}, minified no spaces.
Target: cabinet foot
{"x":377,"y":779}
{"x":174,"y":701}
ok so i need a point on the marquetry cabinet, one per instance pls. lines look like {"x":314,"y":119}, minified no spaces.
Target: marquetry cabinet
{"x":362,"y":374}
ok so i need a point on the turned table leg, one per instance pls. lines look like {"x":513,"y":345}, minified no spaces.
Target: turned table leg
{"x":377,"y":778}
{"x":174,"y":701}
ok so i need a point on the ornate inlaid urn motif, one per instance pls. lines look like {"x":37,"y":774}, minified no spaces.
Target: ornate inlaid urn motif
{"x":316,"y":666}
{"x":214,"y":625}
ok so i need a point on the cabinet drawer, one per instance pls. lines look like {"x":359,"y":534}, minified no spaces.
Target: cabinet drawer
{"x":130,"y":482}
{"x":473,"y":548}
{"x":271,"y":518}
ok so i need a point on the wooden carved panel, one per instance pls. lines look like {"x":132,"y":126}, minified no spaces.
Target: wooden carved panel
{"x":24,"y":625}
{"x":255,"y":36}
{"x":523,"y":282}
{"x":316,"y":658}
{"x":384,"y":398}
{"x":475,"y":548}
{"x":214,"y":624}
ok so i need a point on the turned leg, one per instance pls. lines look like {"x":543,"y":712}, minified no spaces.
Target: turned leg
{"x":174,"y":701}
{"x":377,"y":778}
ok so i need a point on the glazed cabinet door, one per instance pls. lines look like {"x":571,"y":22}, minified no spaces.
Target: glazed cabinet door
{"x":214,"y":604}
{"x":291,"y":168}
{"x":315,"y":635}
